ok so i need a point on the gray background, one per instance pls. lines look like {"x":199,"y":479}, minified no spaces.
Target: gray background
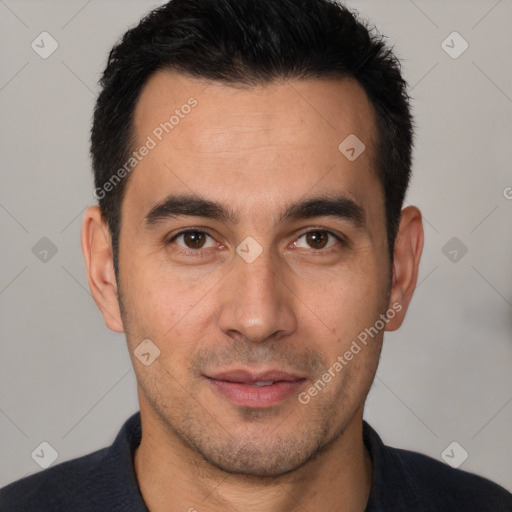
{"x":444,"y":376}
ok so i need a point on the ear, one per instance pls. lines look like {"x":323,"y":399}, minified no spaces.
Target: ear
{"x":99,"y":262}
{"x":406,"y":260}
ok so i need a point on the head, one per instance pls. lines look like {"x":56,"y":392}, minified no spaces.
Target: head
{"x":237,"y":231}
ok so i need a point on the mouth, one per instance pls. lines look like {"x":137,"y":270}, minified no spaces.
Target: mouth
{"x":255,"y":389}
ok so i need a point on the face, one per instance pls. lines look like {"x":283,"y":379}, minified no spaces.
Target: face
{"x":253,"y":255}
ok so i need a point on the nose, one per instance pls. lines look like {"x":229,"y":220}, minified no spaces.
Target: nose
{"x":256,"y":302}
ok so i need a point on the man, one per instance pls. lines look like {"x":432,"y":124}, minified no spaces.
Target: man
{"x":251,"y":159}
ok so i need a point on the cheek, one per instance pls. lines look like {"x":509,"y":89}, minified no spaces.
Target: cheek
{"x":172,"y":312}
{"x":356,"y":287}
{"x":344,"y":303}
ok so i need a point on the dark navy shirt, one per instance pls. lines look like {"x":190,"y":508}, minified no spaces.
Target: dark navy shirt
{"x":105,"y":481}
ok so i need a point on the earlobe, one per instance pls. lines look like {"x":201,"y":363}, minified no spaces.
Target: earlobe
{"x":98,"y":256}
{"x":407,"y":255}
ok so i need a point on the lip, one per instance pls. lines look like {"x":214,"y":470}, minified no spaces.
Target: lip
{"x":237,"y":386}
{"x":247,"y":377}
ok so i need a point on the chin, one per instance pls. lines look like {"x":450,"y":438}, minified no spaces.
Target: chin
{"x":266,"y":457}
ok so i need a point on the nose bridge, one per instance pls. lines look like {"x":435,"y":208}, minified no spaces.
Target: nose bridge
{"x":259,"y":281}
{"x":256,"y":304}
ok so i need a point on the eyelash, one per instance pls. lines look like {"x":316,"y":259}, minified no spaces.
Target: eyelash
{"x":206,"y":252}
{"x":342,"y":241}
{"x":192,"y":252}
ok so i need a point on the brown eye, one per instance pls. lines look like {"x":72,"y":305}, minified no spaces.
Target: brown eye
{"x":317,"y":239}
{"x":194,"y":240}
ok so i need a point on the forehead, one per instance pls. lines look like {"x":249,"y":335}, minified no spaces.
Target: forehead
{"x":251,"y":145}
{"x":321,"y":105}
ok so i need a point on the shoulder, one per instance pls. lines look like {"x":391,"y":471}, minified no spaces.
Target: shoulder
{"x":407,"y":480}
{"x":102,"y":480}
{"x":441,"y":487}
{"x":67,"y":483}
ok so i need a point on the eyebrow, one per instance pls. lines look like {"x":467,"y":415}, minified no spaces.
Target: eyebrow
{"x":339,"y":206}
{"x":187,"y":205}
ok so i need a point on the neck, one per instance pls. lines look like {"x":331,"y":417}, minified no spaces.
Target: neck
{"x":174,"y":477}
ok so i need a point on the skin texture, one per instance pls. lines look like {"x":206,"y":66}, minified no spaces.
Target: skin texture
{"x":297,"y":307}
